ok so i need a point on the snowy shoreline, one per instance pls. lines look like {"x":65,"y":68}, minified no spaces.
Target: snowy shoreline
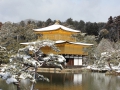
{"x":106,"y":69}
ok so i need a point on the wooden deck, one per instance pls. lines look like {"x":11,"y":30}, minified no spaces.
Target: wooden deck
{"x":57,"y":70}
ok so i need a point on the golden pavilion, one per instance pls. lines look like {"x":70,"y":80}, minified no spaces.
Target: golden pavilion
{"x":69,"y":48}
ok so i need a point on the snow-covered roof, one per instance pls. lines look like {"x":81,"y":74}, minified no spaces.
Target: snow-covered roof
{"x":27,"y":43}
{"x":62,"y":41}
{"x":55,"y":27}
{"x":87,"y":44}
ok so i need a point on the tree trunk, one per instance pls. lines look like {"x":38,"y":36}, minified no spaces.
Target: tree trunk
{"x":109,"y":65}
{"x":32,"y":86}
{"x":18,"y":85}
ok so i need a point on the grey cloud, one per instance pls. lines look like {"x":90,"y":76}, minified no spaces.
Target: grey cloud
{"x":87,"y":10}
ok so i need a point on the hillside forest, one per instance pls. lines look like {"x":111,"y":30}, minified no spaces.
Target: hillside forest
{"x":12,"y":34}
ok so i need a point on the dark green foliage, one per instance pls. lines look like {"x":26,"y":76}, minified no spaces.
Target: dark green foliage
{"x":92,"y":28}
{"x":101,"y":25}
{"x":113,"y":27}
{"x":69,"y":21}
{"x":48,"y":22}
{"x":81,"y":26}
{"x":22,"y":23}
{"x":39,"y":24}
{"x":104,"y":33}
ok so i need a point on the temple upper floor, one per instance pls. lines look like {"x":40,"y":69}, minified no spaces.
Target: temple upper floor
{"x":56,"y":32}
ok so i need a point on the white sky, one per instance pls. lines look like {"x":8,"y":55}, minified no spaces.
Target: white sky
{"x":87,"y":10}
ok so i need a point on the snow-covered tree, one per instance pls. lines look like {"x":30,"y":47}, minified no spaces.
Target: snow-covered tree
{"x":107,"y":54}
{"x":3,"y":55}
{"x":24,"y":65}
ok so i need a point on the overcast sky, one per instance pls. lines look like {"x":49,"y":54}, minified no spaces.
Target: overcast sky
{"x":87,"y":10}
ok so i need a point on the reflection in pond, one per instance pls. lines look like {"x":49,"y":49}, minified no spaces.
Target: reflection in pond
{"x":61,"y":82}
{"x":99,"y":81}
{"x":82,"y":81}
{"x":5,"y":86}
{"x":77,"y":78}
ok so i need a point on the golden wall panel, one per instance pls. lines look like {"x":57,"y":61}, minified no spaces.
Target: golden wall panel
{"x":56,"y":35}
{"x":66,"y":48}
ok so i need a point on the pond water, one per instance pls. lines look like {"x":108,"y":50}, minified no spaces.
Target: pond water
{"x":81,"y":81}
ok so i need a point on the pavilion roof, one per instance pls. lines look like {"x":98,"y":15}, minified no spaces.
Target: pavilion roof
{"x":78,"y":43}
{"x":61,"y":41}
{"x":55,"y":27}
